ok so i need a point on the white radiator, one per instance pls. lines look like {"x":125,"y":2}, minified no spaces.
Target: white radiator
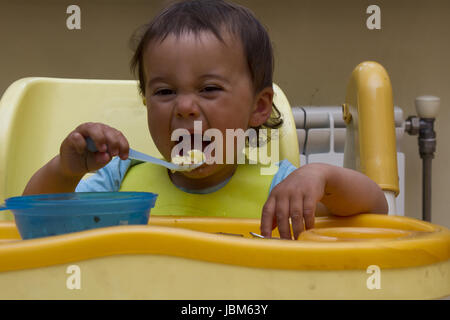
{"x":321,"y":138}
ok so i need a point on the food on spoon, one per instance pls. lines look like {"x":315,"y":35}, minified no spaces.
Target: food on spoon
{"x":180,"y":160}
{"x":194,"y":157}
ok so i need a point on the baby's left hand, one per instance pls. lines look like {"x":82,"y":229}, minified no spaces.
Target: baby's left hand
{"x":294,"y":198}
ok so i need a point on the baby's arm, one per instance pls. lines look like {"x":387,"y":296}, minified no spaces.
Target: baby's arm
{"x":51,"y":179}
{"x":64,"y":172}
{"x":349,"y":192}
{"x":343,"y":191}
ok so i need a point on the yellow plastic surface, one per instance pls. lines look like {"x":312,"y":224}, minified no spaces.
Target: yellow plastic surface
{"x":36,"y":114}
{"x":369,"y":113}
{"x":413,"y":253}
{"x":170,"y":277}
{"x":288,"y":132}
{"x":389,"y":242}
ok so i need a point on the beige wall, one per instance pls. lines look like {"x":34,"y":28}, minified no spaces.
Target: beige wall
{"x":317,"y":44}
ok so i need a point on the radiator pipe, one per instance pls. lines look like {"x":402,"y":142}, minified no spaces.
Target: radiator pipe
{"x":427,"y":108}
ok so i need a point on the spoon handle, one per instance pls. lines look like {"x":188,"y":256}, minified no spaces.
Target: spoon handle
{"x":133,"y":154}
{"x":136,"y":155}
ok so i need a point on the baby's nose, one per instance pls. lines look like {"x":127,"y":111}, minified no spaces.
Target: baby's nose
{"x":186,"y":107}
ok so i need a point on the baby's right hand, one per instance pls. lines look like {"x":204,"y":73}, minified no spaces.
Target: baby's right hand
{"x":76,"y":160}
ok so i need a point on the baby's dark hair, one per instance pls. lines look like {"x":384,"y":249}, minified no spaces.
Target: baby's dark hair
{"x":212,"y":15}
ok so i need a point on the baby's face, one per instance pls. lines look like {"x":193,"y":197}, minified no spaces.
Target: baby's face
{"x":197,"y":78}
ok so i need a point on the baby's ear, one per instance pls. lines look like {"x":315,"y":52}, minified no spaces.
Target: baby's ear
{"x":262,"y":108}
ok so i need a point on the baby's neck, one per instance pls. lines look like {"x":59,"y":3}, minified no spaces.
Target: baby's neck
{"x":182,"y":181}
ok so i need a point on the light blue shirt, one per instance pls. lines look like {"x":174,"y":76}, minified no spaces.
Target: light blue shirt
{"x":109,"y":178}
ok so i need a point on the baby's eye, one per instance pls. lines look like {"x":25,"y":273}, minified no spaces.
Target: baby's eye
{"x":211,"y":89}
{"x":164,"y":92}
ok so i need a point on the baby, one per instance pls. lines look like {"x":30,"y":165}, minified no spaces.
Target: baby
{"x":209,"y":61}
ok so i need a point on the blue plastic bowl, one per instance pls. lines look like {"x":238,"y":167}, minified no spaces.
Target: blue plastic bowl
{"x":53,"y":214}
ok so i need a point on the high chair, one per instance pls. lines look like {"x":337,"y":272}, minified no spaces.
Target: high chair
{"x":36,"y":114}
{"x":366,"y":256}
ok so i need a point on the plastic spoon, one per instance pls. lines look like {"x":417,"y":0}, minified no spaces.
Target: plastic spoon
{"x":255,"y":235}
{"x":136,"y":155}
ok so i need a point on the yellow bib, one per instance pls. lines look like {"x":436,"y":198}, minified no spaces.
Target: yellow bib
{"x":242,"y":197}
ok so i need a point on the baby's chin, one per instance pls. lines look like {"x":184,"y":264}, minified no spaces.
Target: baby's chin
{"x":203,"y":172}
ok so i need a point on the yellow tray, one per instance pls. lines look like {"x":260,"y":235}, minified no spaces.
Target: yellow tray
{"x":367,"y":256}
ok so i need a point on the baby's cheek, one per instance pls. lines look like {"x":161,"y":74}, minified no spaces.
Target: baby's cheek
{"x":160,"y":139}
{"x":233,"y":147}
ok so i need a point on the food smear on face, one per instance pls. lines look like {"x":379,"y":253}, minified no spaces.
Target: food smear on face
{"x":194,"y":157}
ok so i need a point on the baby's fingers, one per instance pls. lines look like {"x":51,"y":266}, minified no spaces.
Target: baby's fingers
{"x":95,"y":132}
{"x":97,"y":160}
{"x":117,"y":143}
{"x":124,"y":147}
{"x":296,"y":214}
{"x":282,"y":213}
{"x":268,"y":214}
{"x":76,"y":141}
{"x":309,"y":210}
